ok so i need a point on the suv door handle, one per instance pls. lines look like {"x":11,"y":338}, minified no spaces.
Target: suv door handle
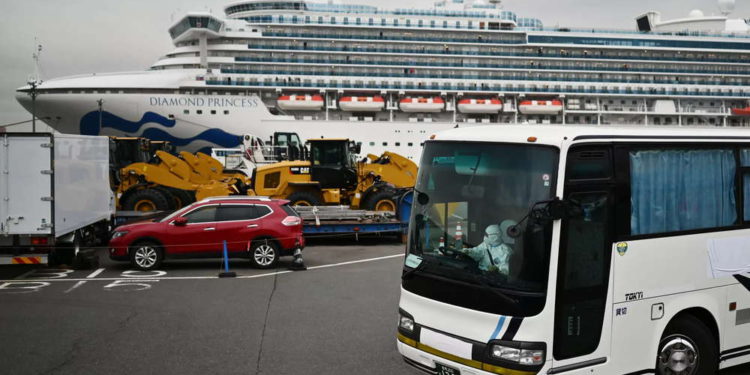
{"x":209,"y":228}
{"x":252,"y":226}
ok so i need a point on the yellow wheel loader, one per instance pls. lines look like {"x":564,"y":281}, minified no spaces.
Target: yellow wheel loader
{"x":333,"y":175}
{"x":161,"y":181}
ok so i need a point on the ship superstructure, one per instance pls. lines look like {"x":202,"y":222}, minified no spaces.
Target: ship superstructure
{"x":390,"y":78}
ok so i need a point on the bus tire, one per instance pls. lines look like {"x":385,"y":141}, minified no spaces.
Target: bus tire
{"x":687,"y":343}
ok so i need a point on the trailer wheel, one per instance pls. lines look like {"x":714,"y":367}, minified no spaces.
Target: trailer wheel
{"x":687,"y":348}
{"x":146,"y":200}
{"x":380,"y":201}
{"x":304,"y":198}
{"x":146,"y":255}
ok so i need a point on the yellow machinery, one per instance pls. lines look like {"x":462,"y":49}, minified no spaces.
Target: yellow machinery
{"x":332,"y":175}
{"x":173,"y":182}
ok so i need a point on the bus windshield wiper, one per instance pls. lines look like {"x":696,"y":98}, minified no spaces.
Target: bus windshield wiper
{"x":503,"y":296}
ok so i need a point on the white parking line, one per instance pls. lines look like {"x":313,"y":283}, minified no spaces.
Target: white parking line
{"x":95,"y":273}
{"x":210,"y":277}
{"x":72,"y":288}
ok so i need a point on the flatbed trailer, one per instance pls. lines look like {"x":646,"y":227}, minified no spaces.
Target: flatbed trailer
{"x":320,"y":220}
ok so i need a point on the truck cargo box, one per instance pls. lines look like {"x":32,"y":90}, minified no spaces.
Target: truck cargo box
{"x":52,"y":185}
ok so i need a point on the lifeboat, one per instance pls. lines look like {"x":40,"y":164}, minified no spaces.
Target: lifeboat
{"x":741,"y":111}
{"x":540,"y":107}
{"x":480,"y":105}
{"x":362,"y":103}
{"x":300,"y":102}
{"x":410,"y":104}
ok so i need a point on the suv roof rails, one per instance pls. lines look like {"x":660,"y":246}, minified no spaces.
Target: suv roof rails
{"x":237,"y":197}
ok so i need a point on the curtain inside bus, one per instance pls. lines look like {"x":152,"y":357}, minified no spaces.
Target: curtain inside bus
{"x":675,"y":190}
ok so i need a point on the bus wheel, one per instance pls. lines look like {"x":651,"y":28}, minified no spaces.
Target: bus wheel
{"x":687,"y":348}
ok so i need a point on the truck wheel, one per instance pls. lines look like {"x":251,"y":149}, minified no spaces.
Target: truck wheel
{"x":146,"y":200}
{"x":264,"y":254}
{"x":304,"y":198}
{"x":687,"y":348}
{"x":146,"y":255}
{"x":380,"y":201}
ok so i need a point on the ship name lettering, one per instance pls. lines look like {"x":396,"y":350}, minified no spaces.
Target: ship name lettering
{"x":203,"y":102}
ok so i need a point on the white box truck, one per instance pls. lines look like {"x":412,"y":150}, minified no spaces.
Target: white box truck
{"x":55,"y":196}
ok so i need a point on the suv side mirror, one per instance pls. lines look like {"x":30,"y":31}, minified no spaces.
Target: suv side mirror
{"x":180,"y":221}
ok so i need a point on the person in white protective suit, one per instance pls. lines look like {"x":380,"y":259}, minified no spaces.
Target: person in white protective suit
{"x":494,"y":253}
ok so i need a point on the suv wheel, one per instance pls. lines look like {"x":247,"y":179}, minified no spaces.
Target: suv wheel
{"x":264,"y":254}
{"x":146,"y":255}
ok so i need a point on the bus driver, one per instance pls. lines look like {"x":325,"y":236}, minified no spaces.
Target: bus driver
{"x":493,"y":254}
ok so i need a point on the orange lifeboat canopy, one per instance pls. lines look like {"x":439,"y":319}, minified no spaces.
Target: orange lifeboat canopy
{"x":362,"y":103}
{"x":494,"y":105}
{"x":300,"y":102}
{"x":741,"y":111}
{"x":540,"y":107}
{"x":422,"y":104}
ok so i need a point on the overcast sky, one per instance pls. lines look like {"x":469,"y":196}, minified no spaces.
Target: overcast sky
{"x":87,"y":36}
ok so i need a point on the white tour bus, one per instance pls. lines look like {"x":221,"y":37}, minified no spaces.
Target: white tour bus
{"x":572,"y":250}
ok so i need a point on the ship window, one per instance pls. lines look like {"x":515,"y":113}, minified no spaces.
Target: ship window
{"x":186,"y":112}
{"x":398,"y":144}
{"x":200,"y":112}
{"x":410,"y":144}
{"x":226,"y":111}
{"x":385,"y":143}
{"x":213,"y":111}
{"x":171,"y":116}
{"x":372,"y":143}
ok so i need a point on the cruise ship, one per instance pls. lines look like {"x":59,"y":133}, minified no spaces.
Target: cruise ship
{"x":391,"y":78}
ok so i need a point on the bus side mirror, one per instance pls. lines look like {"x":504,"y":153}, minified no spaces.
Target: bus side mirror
{"x":566,"y":208}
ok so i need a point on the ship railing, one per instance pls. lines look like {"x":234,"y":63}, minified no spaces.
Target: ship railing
{"x":472,"y":76}
{"x":474,"y":26}
{"x":456,"y":51}
{"x":537,"y":66}
{"x":491,"y":88}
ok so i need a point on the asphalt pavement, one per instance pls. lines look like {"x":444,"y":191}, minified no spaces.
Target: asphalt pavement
{"x":338,"y":317}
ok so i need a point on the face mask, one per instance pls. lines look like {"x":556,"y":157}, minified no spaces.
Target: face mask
{"x":493,"y":239}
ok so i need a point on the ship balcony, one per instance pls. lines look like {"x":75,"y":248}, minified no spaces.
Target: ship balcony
{"x":455,"y":63}
{"x":494,"y":88}
{"x":457,"y":50}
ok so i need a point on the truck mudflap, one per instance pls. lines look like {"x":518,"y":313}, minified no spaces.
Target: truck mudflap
{"x":23,"y":259}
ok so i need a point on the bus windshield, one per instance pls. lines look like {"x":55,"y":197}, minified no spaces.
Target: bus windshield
{"x":470,"y":238}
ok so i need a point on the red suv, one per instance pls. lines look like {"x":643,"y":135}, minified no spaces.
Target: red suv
{"x":258,"y":228}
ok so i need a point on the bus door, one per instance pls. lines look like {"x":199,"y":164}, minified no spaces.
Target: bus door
{"x":581,"y":332}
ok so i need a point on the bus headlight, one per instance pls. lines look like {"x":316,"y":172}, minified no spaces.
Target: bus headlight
{"x":522,"y":356}
{"x":406,"y":323}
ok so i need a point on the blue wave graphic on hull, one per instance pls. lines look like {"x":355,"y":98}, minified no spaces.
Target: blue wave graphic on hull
{"x":90,"y":126}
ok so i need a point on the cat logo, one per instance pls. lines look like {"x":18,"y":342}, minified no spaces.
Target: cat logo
{"x":622,"y":248}
{"x":299,"y":170}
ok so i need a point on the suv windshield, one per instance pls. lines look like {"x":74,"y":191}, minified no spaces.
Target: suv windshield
{"x":469,"y":244}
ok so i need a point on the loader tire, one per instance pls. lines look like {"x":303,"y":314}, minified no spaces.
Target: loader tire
{"x":146,"y":200}
{"x":380,"y":201}
{"x":304,"y":198}
{"x":180,"y":198}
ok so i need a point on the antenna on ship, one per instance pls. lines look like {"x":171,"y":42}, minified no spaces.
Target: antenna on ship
{"x":33,"y":82}
{"x":36,"y":55}
{"x":726,"y":7}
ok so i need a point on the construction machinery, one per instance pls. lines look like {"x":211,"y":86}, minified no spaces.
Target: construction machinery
{"x":332,"y":175}
{"x":148,"y":178}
